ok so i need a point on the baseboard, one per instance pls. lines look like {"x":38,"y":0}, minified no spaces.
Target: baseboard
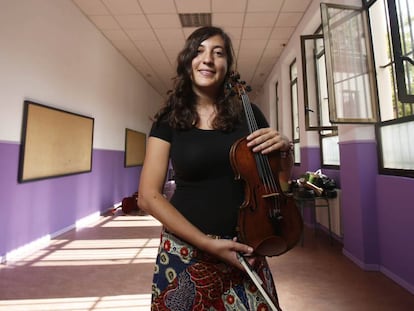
{"x":310,"y":225}
{"x":42,"y":242}
{"x":375,"y":267}
{"x":26,"y":250}
{"x":398,"y":280}
{"x":359,"y":263}
{"x":326,"y":231}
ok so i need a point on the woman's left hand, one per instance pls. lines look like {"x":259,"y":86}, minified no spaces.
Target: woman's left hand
{"x":266,"y":140}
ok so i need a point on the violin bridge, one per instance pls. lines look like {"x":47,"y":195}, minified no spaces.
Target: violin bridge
{"x":274,"y":194}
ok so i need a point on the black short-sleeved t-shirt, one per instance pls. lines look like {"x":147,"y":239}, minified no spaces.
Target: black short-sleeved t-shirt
{"x":207,"y":193}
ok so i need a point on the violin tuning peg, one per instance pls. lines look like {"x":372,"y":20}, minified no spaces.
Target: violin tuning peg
{"x":248,"y":88}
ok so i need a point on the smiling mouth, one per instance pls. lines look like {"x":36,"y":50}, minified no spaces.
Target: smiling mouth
{"x":206,"y":72}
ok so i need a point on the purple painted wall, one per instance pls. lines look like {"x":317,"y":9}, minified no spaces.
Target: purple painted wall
{"x":359,"y":170}
{"x":395,"y":210}
{"x":377,"y":211}
{"x":32,"y":210}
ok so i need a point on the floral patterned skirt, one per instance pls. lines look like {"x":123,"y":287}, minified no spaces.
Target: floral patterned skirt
{"x":186,"y":278}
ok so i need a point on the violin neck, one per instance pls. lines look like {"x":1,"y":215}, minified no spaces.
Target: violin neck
{"x":248,"y":111}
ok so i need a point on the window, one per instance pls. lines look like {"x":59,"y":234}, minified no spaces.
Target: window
{"x":329,"y":142}
{"x":314,"y":83}
{"x":295,"y":110}
{"x":395,"y":77}
{"x":349,"y":65}
{"x":316,"y":98}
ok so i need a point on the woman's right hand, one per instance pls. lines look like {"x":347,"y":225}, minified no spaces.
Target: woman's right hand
{"x":227,"y":250}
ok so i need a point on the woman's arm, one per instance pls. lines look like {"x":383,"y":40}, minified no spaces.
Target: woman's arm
{"x":151,"y":198}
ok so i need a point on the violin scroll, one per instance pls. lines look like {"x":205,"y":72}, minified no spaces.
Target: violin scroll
{"x":237,"y":86}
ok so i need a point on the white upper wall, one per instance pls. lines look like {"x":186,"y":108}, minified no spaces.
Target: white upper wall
{"x":51,"y":54}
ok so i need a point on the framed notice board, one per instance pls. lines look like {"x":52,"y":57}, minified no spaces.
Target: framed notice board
{"x":134,"y":148}
{"x":54,"y":143}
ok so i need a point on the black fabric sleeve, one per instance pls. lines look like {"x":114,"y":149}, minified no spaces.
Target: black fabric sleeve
{"x":162,"y":130}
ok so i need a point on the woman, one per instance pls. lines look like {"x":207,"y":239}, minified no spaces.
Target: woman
{"x":197,"y":267}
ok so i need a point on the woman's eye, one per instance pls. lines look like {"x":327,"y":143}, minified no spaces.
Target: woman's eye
{"x":219,"y":53}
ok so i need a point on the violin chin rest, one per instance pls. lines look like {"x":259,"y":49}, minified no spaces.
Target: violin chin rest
{"x":271,"y":246}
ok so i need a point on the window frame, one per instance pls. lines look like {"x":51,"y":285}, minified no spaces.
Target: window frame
{"x":398,"y":58}
{"x":308,"y":109}
{"x":387,"y":170}
{"x":296,"y":141}
{"x":277,"y":105}
{"x":321,"y":137}
{"x":372,"y":104}
{"x":395,"y":88}
{"x":324,"y":131}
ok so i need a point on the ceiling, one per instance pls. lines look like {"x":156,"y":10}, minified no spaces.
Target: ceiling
{"x":149,"y":33}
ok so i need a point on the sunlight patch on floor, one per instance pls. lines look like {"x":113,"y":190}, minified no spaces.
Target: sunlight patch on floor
{"x":132,"y":221}
{"x":107,"y":303}
{"x":94,"y":252}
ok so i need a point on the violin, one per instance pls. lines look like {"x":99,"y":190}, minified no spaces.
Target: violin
{"x":268,"y":219}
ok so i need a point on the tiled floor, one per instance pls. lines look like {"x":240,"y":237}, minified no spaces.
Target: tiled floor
{"x":108,"y":265}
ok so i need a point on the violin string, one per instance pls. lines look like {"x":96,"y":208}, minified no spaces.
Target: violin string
{"x":262,"y":162}
{"x":252,"y":124}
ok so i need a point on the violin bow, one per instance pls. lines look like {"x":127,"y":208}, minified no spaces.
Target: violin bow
{"x":258,"y":282}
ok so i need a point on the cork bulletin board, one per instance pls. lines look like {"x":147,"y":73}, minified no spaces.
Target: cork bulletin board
{"x":134,"y":148}
{"x":54,"y":143}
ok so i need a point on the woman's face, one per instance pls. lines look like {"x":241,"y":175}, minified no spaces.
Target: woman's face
{"x":209,"y":67}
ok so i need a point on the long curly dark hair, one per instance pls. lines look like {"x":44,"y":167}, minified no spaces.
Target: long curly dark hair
{"x":180,"y":106}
